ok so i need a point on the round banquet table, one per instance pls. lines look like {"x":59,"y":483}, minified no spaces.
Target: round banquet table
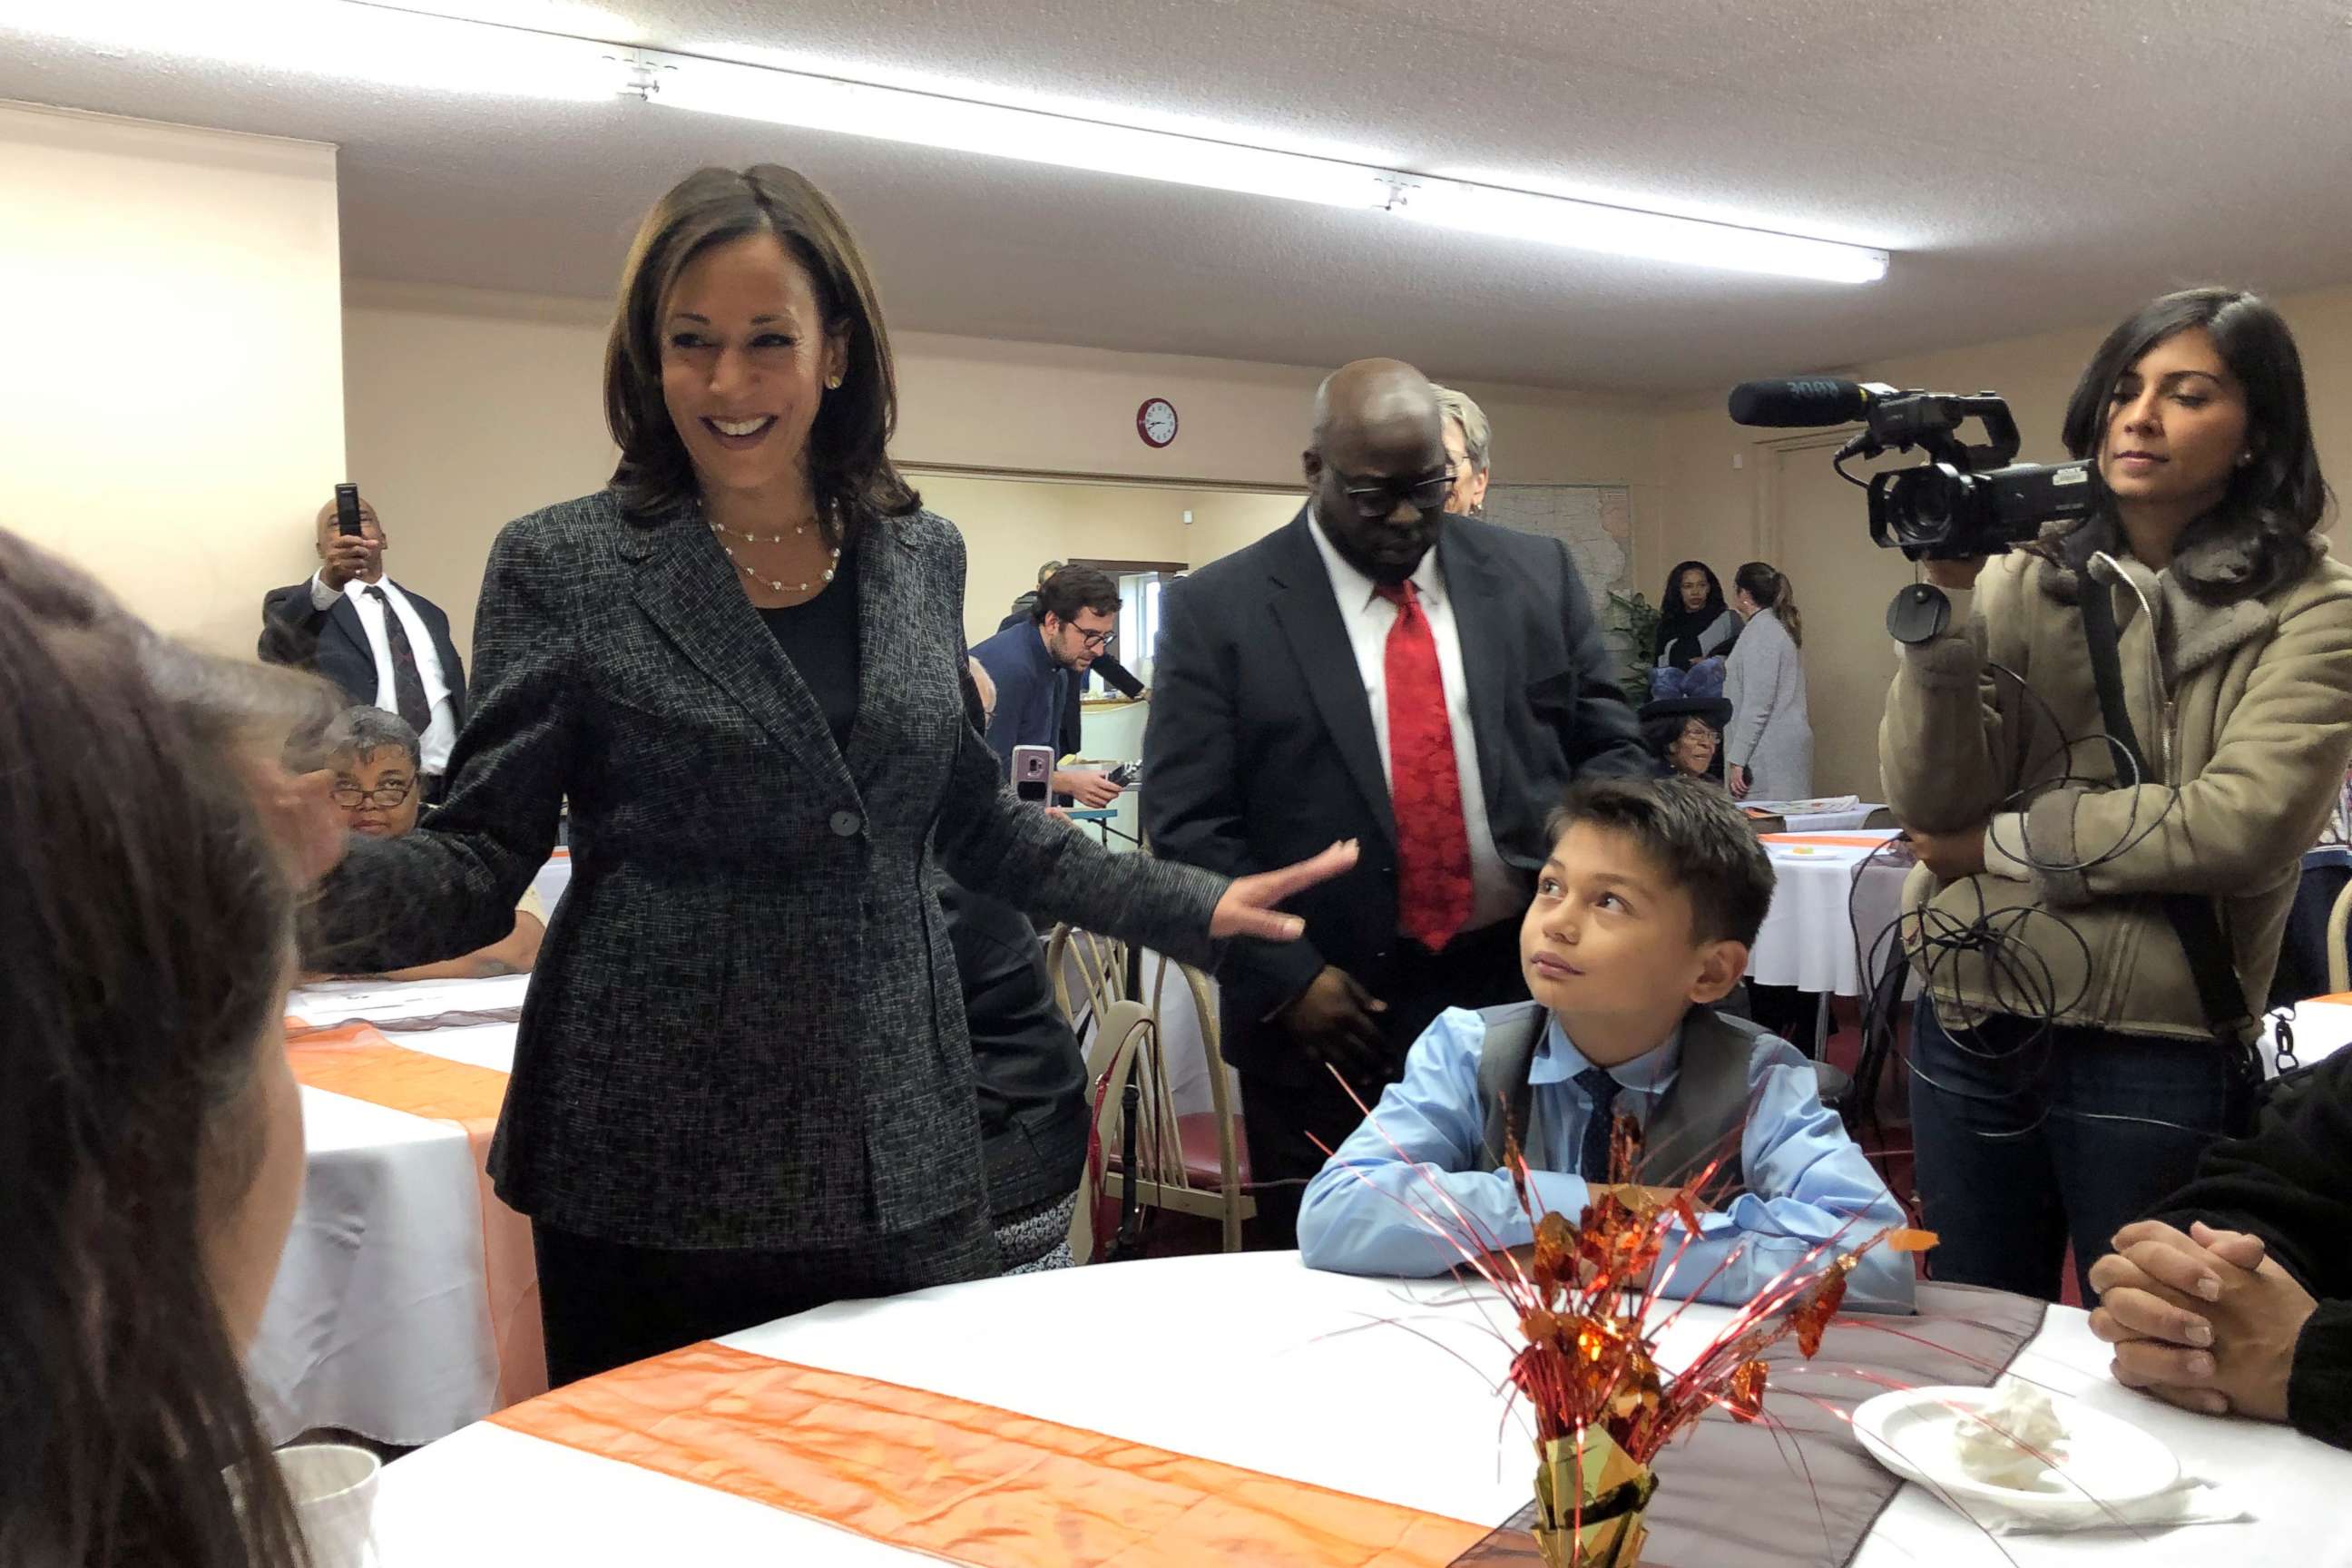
{"x":1251,"y":1359}
{"x":1826,"y":887}
{"x":380,"y":1322}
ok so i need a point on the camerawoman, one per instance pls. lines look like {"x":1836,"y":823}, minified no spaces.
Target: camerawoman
{"x":2102,"y":887}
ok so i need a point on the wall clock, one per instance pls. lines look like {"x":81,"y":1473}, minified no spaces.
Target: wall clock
{"x":1156,"y":422}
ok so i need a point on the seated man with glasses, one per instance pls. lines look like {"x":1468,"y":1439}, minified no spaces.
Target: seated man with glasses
{"x":1035,"y":662}
{"x":377,"y":766}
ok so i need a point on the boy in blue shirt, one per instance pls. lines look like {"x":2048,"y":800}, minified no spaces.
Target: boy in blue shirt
{"x":1642,"y":920}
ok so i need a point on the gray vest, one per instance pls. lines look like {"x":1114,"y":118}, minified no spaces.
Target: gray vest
{"x":1699,"y":1118}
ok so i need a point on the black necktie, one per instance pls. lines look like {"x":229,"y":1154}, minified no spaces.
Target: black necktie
{"x":1601,"y":1089}
{"x":407,"y":684}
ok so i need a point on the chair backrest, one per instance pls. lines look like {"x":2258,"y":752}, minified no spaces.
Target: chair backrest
{"x":1090,"y":972}
{"x":1221,"y":1101}
{"x":1124,"y":1029}
{"x":2339,"y":964}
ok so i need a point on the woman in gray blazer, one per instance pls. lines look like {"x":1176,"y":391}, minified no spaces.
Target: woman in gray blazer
{"x":1769,"y":748}
{"x":742,"y":1086}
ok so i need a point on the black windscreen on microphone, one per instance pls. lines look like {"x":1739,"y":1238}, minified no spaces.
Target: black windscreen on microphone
{"x":1803,"y":402}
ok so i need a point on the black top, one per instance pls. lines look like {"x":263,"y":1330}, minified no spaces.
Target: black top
{"x":2291,"y":1184}
{"x":1026,"y":1066}
{"x":820,"y":639}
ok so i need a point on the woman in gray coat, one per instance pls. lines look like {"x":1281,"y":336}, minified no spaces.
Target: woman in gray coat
{"x":1769,"y":748}
{"x":742,"y":1086}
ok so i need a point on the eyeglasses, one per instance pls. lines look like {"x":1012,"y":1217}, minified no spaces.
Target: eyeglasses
{"x":1375,"y":498}
{"x":1097,"y":640}
{"x":383,"y":796}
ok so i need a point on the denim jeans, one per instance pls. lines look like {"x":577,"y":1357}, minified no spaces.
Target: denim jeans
{"x":2024,"y":1146}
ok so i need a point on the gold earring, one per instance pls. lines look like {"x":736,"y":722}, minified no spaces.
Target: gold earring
{"x":833,"y":383}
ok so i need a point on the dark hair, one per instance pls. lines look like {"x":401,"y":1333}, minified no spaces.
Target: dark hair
{"x":2256,"y":538}
{"x":1694,"y":833}
{"x":1770,"y":588}
{"x":1671,"y":602}
{"x":848,"y":458}
{"x":1072,"y":589}
{"x":362,"y":730}
{"x":147,"y":923}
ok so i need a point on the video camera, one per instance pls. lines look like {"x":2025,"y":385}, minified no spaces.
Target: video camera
{"x":1965,"y":500}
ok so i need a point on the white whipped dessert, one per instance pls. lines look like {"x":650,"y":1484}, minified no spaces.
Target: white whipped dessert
{"x":2013,"y":1442}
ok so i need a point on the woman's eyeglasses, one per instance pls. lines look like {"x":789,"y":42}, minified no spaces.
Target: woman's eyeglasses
{"x":383,"y":796}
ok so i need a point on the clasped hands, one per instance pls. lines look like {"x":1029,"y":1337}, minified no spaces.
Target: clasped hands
{"x":2205,"y":1320}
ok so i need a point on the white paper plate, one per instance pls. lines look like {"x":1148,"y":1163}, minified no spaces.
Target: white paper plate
{"x":2108,"y":1462}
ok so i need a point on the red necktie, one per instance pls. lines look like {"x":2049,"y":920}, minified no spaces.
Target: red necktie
{"x":1425,"y":782}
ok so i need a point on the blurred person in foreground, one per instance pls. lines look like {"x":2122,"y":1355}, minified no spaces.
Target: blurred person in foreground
{"x":151,"y":1130}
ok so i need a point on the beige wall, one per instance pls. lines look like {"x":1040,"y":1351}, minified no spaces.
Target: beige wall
{"x":469,"y":408}
{"x":172,"y":415}
{"x":1012,"y":526}
{"x":1780,"y":503}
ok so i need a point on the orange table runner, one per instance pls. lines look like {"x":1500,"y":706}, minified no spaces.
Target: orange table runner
{"x":359,"y":1063}
{"x":967,"y":1483}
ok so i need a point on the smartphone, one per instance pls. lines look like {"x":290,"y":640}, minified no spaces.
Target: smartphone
{"x":347,"y":510}
{"x":1033,"y":774}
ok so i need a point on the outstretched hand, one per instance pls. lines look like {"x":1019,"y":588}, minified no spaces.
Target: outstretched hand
{"x":1248,"y":908}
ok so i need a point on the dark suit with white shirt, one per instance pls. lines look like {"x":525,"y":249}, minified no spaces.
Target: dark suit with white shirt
{"x":1265,"y":744}
{"x":340,"y":635}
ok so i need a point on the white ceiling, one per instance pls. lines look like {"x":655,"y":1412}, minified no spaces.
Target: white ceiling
{"x":2033,"y":163}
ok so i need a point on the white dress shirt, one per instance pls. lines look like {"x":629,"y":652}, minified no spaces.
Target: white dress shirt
{"x":1495,"y":893}
{"x":441,"y":734}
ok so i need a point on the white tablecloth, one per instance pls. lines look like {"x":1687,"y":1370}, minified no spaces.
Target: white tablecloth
{"x":379,"y":1321}
{"x":1808,"y":936}
{"x":1254,"y":1361}
{"x":2321,"y":1029}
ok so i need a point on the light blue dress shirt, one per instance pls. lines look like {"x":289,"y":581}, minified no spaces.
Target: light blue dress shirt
{"x":1806,"y":1180}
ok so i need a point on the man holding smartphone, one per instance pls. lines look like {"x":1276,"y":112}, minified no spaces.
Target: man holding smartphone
{"x":1036,"y":662}
{"x":384,"y":645}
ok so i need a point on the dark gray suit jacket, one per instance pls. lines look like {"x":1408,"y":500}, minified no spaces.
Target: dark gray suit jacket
{"x":1261,"y":750}
{"x":745,"y":1028}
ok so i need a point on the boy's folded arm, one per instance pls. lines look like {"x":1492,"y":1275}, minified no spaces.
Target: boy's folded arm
{"x":1394,"y":1217}
{"x":1808,"y":1183}
{"x":1422,"y":1152}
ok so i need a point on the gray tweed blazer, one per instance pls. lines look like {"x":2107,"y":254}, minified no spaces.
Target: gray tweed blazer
{"x":745,"y":1028}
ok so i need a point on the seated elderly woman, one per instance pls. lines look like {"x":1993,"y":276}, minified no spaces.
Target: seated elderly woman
{"x":378,"y":784}
{"x":1686,"y":734}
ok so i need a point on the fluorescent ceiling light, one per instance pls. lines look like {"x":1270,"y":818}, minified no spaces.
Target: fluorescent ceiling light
{"x":357,"y":42}
{"x":1628,"y":231}
{"x":966,"y":125}
{"x":969,"y":125}
{"x":363,"y":41}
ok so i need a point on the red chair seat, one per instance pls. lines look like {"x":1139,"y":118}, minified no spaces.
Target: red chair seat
{"x":1196,"y":1134}
{"x":1202,"y":1168}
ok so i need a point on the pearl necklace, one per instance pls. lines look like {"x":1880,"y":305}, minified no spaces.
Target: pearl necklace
{"x":723,"y":532}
